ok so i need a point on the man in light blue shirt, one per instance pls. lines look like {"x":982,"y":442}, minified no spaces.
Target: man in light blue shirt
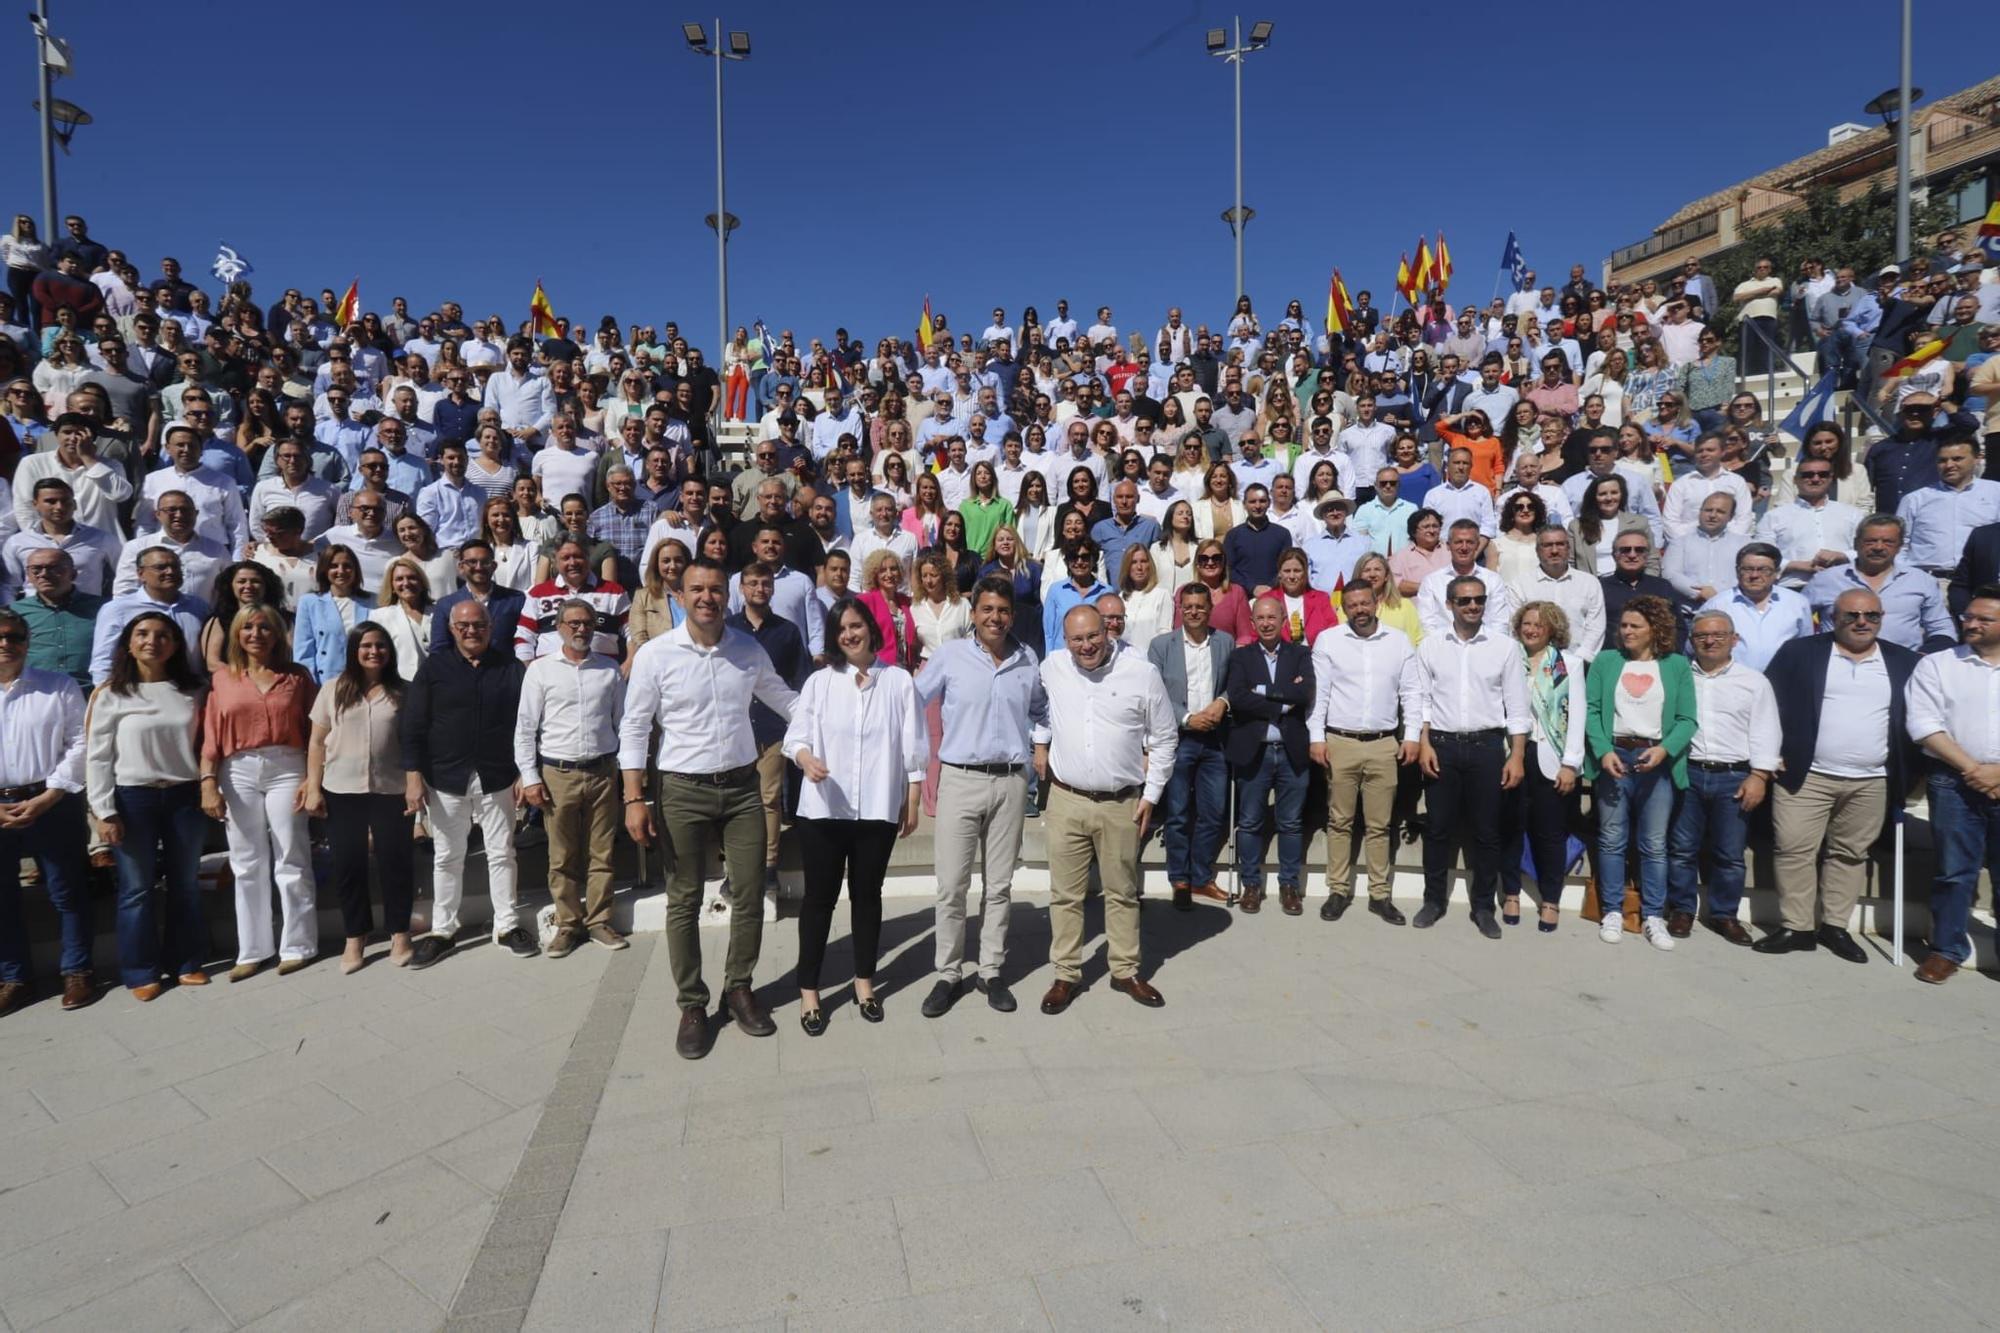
{"x":451,"y":504}
{"x":1492,"y":397}
{"x":1332,"y":552}
{"x":1385,"y":520}
{"x":1941,"y":516}
{"x":1765,"y":615}
{"x":1126,"y":527}
{"x":1914,"y":612}
{"x":159,"y":590}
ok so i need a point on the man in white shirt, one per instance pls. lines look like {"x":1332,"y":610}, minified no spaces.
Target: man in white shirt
{"x":1366,"y":443}
{"x":1103,"y":331}
{"x":1954,"y":714}
{"x":1680,"y":335}
{"x":92,"y":551}
{"x":97,"y":486}
{"x":1320,"y":449}
{"x":1458,"y":498}
{"x":1576,"y":591}
{"x":366,"y":535}
{"x":696,"y":683}
{"x":1177,"y":337}
{"x":1812,"y":532}
{"x":202,"y":559}
{"x":1434,"y":610}
{"x":217,"y":499}
{"x":563,"y":465}
{"x":1287,"y":513}
{"x":998,"y":331}
{"x":566,"y":744}
{"x":294,"y":487}
{"x":1107,"y":750}
{"x":1729,"y":769}
{"x":955,"y":477}
{"x":523,"y":398}
{"x":1363,"y":672}
{"x":1155,"y":497}
{"x":1702,"y":564}
{"x":1684,"y":497}
{"x":1061,"y":327}
{"x":1471,"y":727}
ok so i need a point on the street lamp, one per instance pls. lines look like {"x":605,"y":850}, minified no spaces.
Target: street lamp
{"x":52,"y":60}
{"x":1894,"y":109}
{"x":736,"y":46}
{"x":1218,"y":44}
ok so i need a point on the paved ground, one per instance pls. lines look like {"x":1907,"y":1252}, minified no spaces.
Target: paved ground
{"x":1339,"y":1126}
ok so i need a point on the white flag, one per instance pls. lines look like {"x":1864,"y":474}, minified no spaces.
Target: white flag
{"x":229,"y":266}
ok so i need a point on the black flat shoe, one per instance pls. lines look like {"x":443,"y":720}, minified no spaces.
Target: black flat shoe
{"x":813,"y":1021}
{"x":870,"y":1008}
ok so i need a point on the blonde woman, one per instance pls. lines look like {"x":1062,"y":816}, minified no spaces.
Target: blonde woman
{"x":1218,"y":510}
{"x":1609,"y":384}
{"x":1391,"y":607}
{"x":404,"y":610}
{"x":657,"y":607}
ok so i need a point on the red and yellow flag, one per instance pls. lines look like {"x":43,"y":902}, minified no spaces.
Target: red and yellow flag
{"x":1339,"y":308}
{"x":925,"y":331}
{"x":1988,"y":236}
{"x":1915,"y":361}
{"x":1443,"y":265}
{"x":541,"y":316}
{"x":1405,"y":287}
{"x":1421,"y":279}
{"x":349,"y":308}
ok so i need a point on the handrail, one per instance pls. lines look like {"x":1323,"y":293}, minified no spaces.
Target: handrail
{"x":1744,"y":329}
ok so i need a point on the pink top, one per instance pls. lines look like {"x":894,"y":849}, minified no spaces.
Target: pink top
{"x":239,"y":716}
{"x":878,"y":607}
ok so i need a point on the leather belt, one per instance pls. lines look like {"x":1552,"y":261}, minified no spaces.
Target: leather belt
{"x":1122,"y":794}
{"x":1483,"y":734}
{"x":727,"y":777}
{"x":1361,"y":735}
{"x":9,"y":795}
{"x":1635,"y":742}
{"x":1711,"y":766}
{"x":990,"y":770}
{"x":576,"y":765}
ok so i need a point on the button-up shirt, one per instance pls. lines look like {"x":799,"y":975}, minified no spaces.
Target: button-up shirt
{"x":1474,"y":684}
{"x":791,"y":599}
{"x":1359,"y":684}
{"x":1801,"y":530}
{"x":1200,"y":669}
{"x":1434,"y":605}
{"x":99,"y":488}
{"x":871,"y":740}
{"x":1854,"y":717}
{"x":59,"y":636}
{"x":1736,"y":717}
{"x":990,"y":708}
{"x":699,"y":697}
{"x":1703,"y":559}
{"x":1762,"y":630}
{"x":569,"y":711}
{"x":1913,"y":610}
{"x":1471,"y":500}
{"x":41,"y":731}
{"x":1939,"y":519}
{"x":1690,"y":489}
{"x":1330,"y":560}
{"x":1957,"y":692}
{"x":524,"y":401}
{"x":93,"y":551}
{"x":1387,"y":527}
{"x":451,"y":510}
{"x":218,"y":505}
{"x":313,"y":498}
{"x":1581,"y":597}
{"x":1110,"y":728}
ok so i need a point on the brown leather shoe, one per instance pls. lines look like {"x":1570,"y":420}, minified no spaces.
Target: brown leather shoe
{"x":751,"y":1016}
{"x":1183,"y":898}
{"x":1058,"y":997}
{"x":1729,"y":928}
{"x":13,"y":994}
{"x":1293,"y":901}
{"x":1936,"y":969}
{"x":695,"y":1037}
{"x":1137,"y":987}
{"x":1680,"y":925}
{"x":147,"y":993}
{"x":1252,"y":902}
{"x":193,"y":978}
{"x":1210,"y":891}
{"x":79,"y":991}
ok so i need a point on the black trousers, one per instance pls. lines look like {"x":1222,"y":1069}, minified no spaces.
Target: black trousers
{"x":858,"y":850}
{"x":1462,"y":810}
{"x":351,"y":820}
{"x":1537,"y":809}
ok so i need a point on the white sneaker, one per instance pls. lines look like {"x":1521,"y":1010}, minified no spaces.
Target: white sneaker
{"x":1612,"y":928}
{"x":1656,"y":933}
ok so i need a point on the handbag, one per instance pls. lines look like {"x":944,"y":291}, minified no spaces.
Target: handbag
{"x":1593,"y":909}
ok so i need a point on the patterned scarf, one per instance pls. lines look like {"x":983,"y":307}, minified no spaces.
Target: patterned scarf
{"x":1548,"y":695}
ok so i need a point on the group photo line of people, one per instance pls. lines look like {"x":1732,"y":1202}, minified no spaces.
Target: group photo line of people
{"x":1535,"y":584}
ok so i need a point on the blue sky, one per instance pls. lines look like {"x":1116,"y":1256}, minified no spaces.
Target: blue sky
{"x":985,"y":155}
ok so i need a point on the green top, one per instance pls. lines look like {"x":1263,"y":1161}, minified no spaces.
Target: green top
{"x":1677,"y":715}
{"x":983,"y":518}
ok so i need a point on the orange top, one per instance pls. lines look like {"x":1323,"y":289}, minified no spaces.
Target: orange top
{"x":1487,"y":465}
{"x":242,"y":717}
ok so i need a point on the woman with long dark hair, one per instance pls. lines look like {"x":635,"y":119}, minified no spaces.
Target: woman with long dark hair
{"x":245,"y":583}
{"x":355,"y":781}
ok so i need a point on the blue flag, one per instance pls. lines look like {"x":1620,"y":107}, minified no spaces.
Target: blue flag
{"x":1814,"y":408}
{"x":1515,"y":265}
{"x":230,"y":266}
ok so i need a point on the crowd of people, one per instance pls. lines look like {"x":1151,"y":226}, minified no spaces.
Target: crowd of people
{"x":358,"y":585}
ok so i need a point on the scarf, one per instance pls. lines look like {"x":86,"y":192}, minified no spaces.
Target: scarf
{"x":1548,"y":695}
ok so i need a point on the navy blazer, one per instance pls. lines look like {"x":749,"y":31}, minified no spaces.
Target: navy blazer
{"x":1798,"y":677}
{"x":503,"y":611}
{"x":1250,"y":712}
{"x":1979,"y":566}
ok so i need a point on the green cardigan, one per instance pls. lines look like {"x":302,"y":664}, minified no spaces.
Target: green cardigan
{"x":1677,"y":714}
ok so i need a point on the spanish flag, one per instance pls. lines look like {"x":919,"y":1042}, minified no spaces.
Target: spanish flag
{"x":1405,"y":287}
{"x":349,"y":308}
{"x":1420,"y":281}
{"x":1915,"y":361}
{"x":925,"y":333}
{"x":1339,"y":309}
{"x":1443,"y":265}
{"x":541,"y":317}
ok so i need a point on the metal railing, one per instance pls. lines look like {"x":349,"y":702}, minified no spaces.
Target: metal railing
{"x":1776,"y":355}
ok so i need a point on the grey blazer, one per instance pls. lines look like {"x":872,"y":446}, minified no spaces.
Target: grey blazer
{"x":1164,"y":652}
{"x":1583,"y":555}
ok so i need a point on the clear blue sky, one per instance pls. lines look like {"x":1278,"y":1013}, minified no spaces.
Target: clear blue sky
{"x":983,"y":154}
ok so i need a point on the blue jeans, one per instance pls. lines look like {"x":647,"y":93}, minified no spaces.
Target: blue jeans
{"x":164,"y":831}
{"x":1845,"y":352}
{"x":1966,"y":827}
{"x":1193,"y":810}
{"x":1274,"y":772}
{"x":1644,"y":800}
{"x":56,"y":841}
{"x":1708,"y":818}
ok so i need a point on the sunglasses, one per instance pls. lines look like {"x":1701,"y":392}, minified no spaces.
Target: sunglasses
{"x":1469,"y":601}
{"x":1869,"y":616}
{"x":1628,"y":550}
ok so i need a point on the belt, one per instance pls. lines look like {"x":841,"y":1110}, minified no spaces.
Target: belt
{"x":1710,"y":766}
{"x":727,"y":777}
{"x":9,"y":795}
{"x":1635,"y":742}
{"x":1483,"y":734}
{"x":575,"y":765}
{"x":990,"y":770}
{"x":1122,"y":794}
{"x":1362,"y":735}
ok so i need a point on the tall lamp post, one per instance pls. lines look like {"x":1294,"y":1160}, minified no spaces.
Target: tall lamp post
{"x":735,"y":47}
{"x":1220,"y":45}
{"x":59,"y":119}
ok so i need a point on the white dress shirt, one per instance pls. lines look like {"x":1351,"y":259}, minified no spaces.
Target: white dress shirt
{"x":313,"y":498}
{"x":569,"y":711}
{"x":41,"y":731}
{"x":1110,"y":728}
{"x":1359,"y":684}
{"x":700,"y":699}
{"x":1579,"y":594}
{"x":1200,"y":670}
{"x":1854,"y":717}
{"x":201,"y":561}
{"x":1471,"y":500}
{"x":1474,"y":684}
{"x":1434,"y":608}
{"x":872,"y":741}
{"x":373,"y":553}
{"x":1684,"y":499}
{"x":1801,"y":530}
{"x":98,"y":486}
{"x":1957,"y":692}
{"x":218,"y":505}
{"x":1736,"y":717}
{"x":1552,"y":497}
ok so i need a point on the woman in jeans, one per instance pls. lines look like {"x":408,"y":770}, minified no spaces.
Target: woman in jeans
{"x":142,"y":760}
{"x":1641,"y":725}
{"x":1540,"y":807}
{"x":253,"y":768}
{"x":857,"y":734}
{"x":354,"y":781}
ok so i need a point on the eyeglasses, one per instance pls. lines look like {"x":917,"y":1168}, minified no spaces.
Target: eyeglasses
{"x":13,"y":636}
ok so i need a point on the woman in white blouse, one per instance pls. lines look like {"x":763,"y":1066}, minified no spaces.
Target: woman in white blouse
{"x":941,"y":611}
{"x":405,"y":612}
{"x":1173,"y":554}
{"x":420,"y":544}
{"x":1543,"y":807}
{"x":1148,"y":612}
{"x":513,"y":558}
{"x":858,"y":736}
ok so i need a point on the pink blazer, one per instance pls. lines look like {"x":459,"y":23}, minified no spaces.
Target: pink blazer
{"x":878,"y":607}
